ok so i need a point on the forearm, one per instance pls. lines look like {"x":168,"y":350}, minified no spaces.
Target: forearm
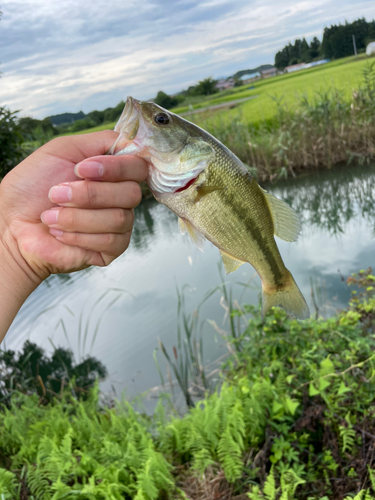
{"x":17,"y":282}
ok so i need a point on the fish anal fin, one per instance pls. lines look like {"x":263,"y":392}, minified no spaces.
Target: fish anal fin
{"x":196,"y":237}
{"x":286,"y":222}
{"x":205,"y":190}
{"x":181,"y":226}
{"x":230,"y":263}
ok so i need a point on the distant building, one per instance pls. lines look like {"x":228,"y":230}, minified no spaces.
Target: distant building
{"x":250,"y":77}
{"x":225,"y":83}
{"x":267,"y":73}
{"x":297,"y":67}
{"x":370,"y":49}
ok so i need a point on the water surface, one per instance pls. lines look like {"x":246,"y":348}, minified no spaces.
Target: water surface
{"x":118,"y":313}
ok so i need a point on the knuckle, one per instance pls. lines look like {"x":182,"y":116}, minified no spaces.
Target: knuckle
{"x":91,"y":193}
{"x":121,"y":219}
{"x":110,"y":240}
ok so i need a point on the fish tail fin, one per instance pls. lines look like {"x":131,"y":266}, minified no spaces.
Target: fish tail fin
{"x":288,"y":296}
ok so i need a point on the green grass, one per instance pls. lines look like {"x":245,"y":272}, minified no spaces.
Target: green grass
{"x":344,"y":74}
{"x":99,"y":128}
{"x":291,"y":86}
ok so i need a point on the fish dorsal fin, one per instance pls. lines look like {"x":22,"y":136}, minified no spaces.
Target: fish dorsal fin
{"x":196,"y":237}
{"x":286,"y":222}
{"x":230,"y":263}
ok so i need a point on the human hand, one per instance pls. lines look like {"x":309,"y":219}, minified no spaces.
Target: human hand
{"x":86,"y":222}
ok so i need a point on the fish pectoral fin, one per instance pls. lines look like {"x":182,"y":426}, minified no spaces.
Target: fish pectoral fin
{"x":287,"y":224}
{"x":204,"y":190}
{"x":196,"y":237}
{"x":230,"y":263}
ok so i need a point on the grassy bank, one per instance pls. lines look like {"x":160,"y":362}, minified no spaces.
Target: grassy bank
{"x":317,"y":132}
{"x":345,"y":74}
{"x":310,"y":119}
{"x":292,"y":419}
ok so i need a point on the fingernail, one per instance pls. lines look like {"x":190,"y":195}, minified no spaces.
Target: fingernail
{"x":60,"y":194}
{"x":89,"y":169}
{"x":50,"y":217}
{"x":56,"y":232}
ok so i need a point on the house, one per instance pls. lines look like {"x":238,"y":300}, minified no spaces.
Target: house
{"x":267,"y":73}
{"x":250,"y":77}
{"x":295,"y":67}
{"x":225,"y":83}
{"x":370,"y":49}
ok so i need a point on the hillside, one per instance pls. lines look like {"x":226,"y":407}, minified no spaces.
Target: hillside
{"x":66,"y":118}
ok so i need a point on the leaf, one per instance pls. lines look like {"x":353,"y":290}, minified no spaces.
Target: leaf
{"x":289,"y":379}
{"x":312,"y":390}
{"x":326,"y":367}
{"x":342,"y":389}
{"x":276,"y":407}
{"x":291,"y":405}
{"x":323,"y":384}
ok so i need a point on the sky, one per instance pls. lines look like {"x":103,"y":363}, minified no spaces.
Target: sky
{"x":61,"y":56}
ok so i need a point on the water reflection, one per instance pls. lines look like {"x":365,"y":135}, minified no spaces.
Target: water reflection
{"x":139,"y":301}
{"x":144,"y":223}
{"x":329,"y":200}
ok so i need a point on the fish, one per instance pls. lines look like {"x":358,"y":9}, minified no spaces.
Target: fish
{"x":214,"y":196}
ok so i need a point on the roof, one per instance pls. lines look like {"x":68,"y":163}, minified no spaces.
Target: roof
{"x":270,"y":70}
{"x":250,"y":75}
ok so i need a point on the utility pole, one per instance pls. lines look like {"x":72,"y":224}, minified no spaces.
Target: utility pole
{"x":354,"y":45}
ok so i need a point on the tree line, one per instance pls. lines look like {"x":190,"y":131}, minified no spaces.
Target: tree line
{"x":337,"y":42}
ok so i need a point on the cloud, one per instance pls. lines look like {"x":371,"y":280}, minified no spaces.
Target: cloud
{"x":59,"y":56}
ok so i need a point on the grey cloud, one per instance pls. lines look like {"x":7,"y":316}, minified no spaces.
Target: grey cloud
{"x":58,"y":55}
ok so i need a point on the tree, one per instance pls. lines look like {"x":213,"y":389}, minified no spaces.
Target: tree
{"x":11,"y":139}
{"x":305,"y":51}
{"x":164,"y":100}
{"x":206,"y":87}
{"x":282,"y":58}
{"x":315,"y":47}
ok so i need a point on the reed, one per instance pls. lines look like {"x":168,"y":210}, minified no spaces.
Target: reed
{"x":318,"y":132}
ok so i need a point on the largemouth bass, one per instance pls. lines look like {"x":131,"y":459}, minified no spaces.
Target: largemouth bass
{"x":215,"y":197}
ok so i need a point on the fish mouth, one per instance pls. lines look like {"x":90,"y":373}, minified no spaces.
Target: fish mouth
{"x":127,"y":127}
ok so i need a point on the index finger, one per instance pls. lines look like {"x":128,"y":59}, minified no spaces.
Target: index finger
{"x":112,"y":168}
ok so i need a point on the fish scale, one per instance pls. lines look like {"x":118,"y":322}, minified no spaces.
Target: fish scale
{"x":215,"y":197}
{"x":237,"y":219}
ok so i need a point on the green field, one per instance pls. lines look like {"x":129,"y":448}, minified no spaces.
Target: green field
{"x":343,"y":74}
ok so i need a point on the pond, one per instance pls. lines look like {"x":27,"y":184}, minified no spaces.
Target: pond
{"x":118,"y":313}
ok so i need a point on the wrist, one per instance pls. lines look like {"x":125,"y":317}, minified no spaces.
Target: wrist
{"x":17,"y":280}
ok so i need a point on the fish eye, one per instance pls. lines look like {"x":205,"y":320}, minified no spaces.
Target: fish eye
{"x":161,"y":119}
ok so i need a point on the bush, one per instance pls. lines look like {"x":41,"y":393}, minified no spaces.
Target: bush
{"x":11,"y":139}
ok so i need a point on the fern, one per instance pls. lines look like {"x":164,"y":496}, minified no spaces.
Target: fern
{"x":347,"y":434}
{"x":289,"y":483}
{"x":8,"y":482}
{"x":269,"y":489}
{"x":231,"y":444}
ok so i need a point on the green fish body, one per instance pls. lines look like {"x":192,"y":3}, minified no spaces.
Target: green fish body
{"x":214,"y":196}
